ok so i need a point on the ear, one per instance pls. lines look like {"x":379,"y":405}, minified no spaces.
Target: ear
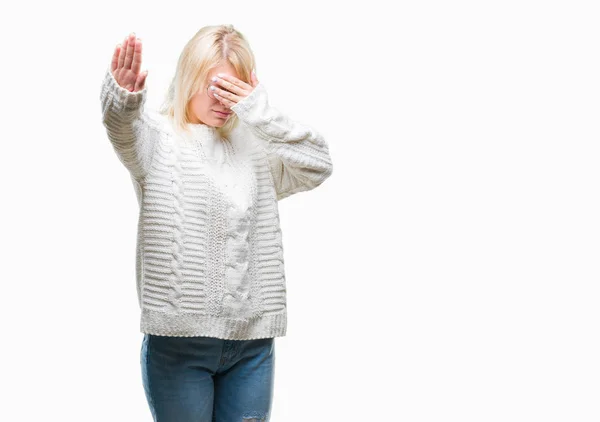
{"x":254,"y":79}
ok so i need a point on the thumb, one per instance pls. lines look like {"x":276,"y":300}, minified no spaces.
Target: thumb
{"x":254,"y":79}
{"x":140,"y":82}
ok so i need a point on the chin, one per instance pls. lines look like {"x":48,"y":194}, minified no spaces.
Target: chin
{"x":219,"y":122}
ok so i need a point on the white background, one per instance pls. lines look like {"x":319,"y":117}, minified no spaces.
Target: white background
{"x":448,"y":269}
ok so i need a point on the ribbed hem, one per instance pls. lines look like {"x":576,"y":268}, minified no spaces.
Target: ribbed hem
{"x":196,"y":325}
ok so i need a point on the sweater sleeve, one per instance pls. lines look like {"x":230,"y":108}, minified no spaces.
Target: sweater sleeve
{"x":298,"y":155}
{"x":127,"y":125}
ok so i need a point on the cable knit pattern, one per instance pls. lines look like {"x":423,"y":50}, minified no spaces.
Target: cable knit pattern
{"x":209,"y":253}
{"x":298,"y":155}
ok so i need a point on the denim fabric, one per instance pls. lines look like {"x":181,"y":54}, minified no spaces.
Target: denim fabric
{"x":206,"y":379}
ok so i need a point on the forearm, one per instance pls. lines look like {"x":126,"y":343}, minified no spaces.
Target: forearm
{"x":298,"y":154}
{"x":126,"y":128}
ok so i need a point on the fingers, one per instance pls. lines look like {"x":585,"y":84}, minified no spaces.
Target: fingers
{"x":128,"y":55}
{"x":121,"y":62}
{"x":227,"y":95}
{"x":227,"y":103}
{"x":115,"y":59}
{"x":231,"y":83}
{"x":130,"y":49}
{"x":140,"y":81}
{"x":137,"y":56}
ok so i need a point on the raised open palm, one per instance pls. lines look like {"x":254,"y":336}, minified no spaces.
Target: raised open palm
{"x":126,"y":63}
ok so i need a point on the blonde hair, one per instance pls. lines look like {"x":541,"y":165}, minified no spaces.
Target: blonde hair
{"x":207,"y":48}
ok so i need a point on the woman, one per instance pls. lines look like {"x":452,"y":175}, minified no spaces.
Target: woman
{"x":208,"y":170}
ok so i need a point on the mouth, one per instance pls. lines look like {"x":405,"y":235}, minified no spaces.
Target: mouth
{"x":222,"y":114}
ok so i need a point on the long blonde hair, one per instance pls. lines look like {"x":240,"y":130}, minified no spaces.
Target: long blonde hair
{"x":209,"y":46}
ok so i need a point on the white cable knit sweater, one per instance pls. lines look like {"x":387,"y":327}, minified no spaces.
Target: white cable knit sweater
{"x":209,"y":248}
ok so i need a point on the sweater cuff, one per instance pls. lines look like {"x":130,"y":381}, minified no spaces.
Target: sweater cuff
{"x":126,"y":99}
{"x":243,"y":108}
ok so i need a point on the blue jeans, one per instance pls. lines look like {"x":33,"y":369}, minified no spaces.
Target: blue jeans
{"x":206,"y":379}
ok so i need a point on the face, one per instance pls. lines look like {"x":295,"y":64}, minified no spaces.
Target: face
{"x":204,"y":107}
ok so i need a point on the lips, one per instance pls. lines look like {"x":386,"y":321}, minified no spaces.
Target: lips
{"x":222,"y":113}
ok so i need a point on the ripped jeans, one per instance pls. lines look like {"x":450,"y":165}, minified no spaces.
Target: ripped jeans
{"x":206,"y":379}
